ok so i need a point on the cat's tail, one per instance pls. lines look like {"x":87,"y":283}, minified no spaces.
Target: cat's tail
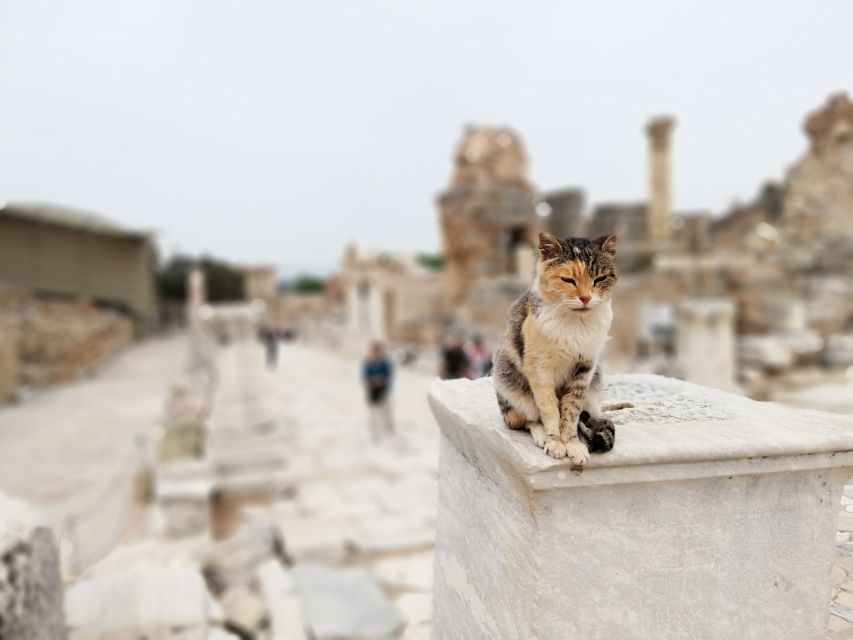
{"x":617,"y":406}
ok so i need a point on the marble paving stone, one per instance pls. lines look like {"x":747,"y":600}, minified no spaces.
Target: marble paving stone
{"x":411,"y":572}
{"x":145,"y":599}
{"x":415,"y":607}
{"x":243,"y":607}
{"x":391,"y":536}
{"x":317,"y":538}
{"x":345,"y":604}
{"x":285,"y":610}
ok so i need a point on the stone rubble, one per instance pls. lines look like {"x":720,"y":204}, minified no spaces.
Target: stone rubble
{"x":30,"y":583}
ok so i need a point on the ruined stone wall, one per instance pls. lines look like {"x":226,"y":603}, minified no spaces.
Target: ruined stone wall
{"x":488,"y":212}
{"x":482,"y":229}
{"x":416,"y":308}
{"x":8,"y":357}
{"x":819,"y":196}
{"x":58,"y":339}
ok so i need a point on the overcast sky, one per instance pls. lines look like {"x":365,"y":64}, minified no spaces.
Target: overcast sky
{"x":278,"y":131}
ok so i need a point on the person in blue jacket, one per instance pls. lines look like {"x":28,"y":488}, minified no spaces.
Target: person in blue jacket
{"x":377,"y":375}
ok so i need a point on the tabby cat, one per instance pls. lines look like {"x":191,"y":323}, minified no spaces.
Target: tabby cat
{"x":546,"y":367}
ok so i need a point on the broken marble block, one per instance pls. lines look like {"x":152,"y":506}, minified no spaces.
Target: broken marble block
{"x":346,"y":604}
{"x":146,"y":600}
{"x":713,"y":517}
{"x":183,"y":495}
{"x":30,"y":580}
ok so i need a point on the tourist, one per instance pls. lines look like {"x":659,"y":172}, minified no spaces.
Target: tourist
{"x":454,"y":360}
{"x":377,"y":374}
{"x":479,"y":357}
{"x":269,"y":337}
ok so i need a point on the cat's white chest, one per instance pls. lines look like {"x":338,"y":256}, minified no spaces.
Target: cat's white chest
{"x":576,"y":336}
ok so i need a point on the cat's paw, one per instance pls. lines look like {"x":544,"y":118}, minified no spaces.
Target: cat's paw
{"x":555,"y":448}
{"x":577,"y":452}
{"x":537,"y":432}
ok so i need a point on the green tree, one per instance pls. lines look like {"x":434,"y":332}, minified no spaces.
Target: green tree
{"x":224,"y":281}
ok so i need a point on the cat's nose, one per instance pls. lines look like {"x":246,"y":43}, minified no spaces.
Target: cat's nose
{"x":585,"y":299}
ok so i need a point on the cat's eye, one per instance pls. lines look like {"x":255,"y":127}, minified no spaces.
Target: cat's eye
{"x":569,"y":281}
{"x":601,"y":279}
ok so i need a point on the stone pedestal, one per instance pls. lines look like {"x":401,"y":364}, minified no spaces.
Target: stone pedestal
{"x":705,"y":342}
{"x":713,"y":517}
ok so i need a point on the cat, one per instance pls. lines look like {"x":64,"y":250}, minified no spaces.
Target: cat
{"x":546,"y":368}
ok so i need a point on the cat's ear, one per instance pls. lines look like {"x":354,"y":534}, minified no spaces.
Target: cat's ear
{"x":607,"y":244}
{"x":550,"y":246}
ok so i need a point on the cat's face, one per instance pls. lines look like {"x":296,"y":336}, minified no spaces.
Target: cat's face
{"x":576,"y":272}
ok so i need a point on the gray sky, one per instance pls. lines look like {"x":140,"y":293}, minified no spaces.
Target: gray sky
{"x":277,"y":131}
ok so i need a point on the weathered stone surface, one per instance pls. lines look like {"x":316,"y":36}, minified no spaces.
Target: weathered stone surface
{"x":243,"y":607}
{"x":630,"y":518}
{"x":61,"y":340}
{"x":186,"y":409}
{"x":183,"y":494}
{"x":322,"y":538}
{"x":416,"y":608}
{"x":400,"y":538}
{"x":146,"y":600}
{"x":8,"y":356}
{"x":705,"y":342}
{"x":490,"y":156}
{"x":488,"y":213}
{"x":285,"y":611}
{"x":238,"y":557}
{"x":412,"y":572}
{"x":345,"y":604}
{"x":659,"y":131}
{"x":30,"y":582}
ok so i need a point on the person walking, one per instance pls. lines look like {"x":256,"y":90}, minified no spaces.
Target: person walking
{"x":479,"y":357}
{"x":454,"y":360}
{"x":377,"y":374}
{"x":269,"y":337}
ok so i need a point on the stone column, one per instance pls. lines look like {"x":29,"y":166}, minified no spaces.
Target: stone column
{"x":196,"y":298}
{"x":30,"y":580}
{"x":659,"y":131}
{"x":713,"y":517}
{"x":705,"y":342}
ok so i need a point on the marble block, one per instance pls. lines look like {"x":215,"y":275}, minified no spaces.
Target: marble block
{"x":713,"y":517}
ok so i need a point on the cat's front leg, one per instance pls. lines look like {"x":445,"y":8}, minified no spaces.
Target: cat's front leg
{"x":571,"y":404}
{"x":549,"y":410}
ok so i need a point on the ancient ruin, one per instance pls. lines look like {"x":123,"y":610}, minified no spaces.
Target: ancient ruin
{"x":659,"y":131}
{"x":488,"y":217}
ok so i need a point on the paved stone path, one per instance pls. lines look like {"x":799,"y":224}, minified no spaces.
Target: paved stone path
{"x":358,"y":503}
{"x":71,"y":450}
